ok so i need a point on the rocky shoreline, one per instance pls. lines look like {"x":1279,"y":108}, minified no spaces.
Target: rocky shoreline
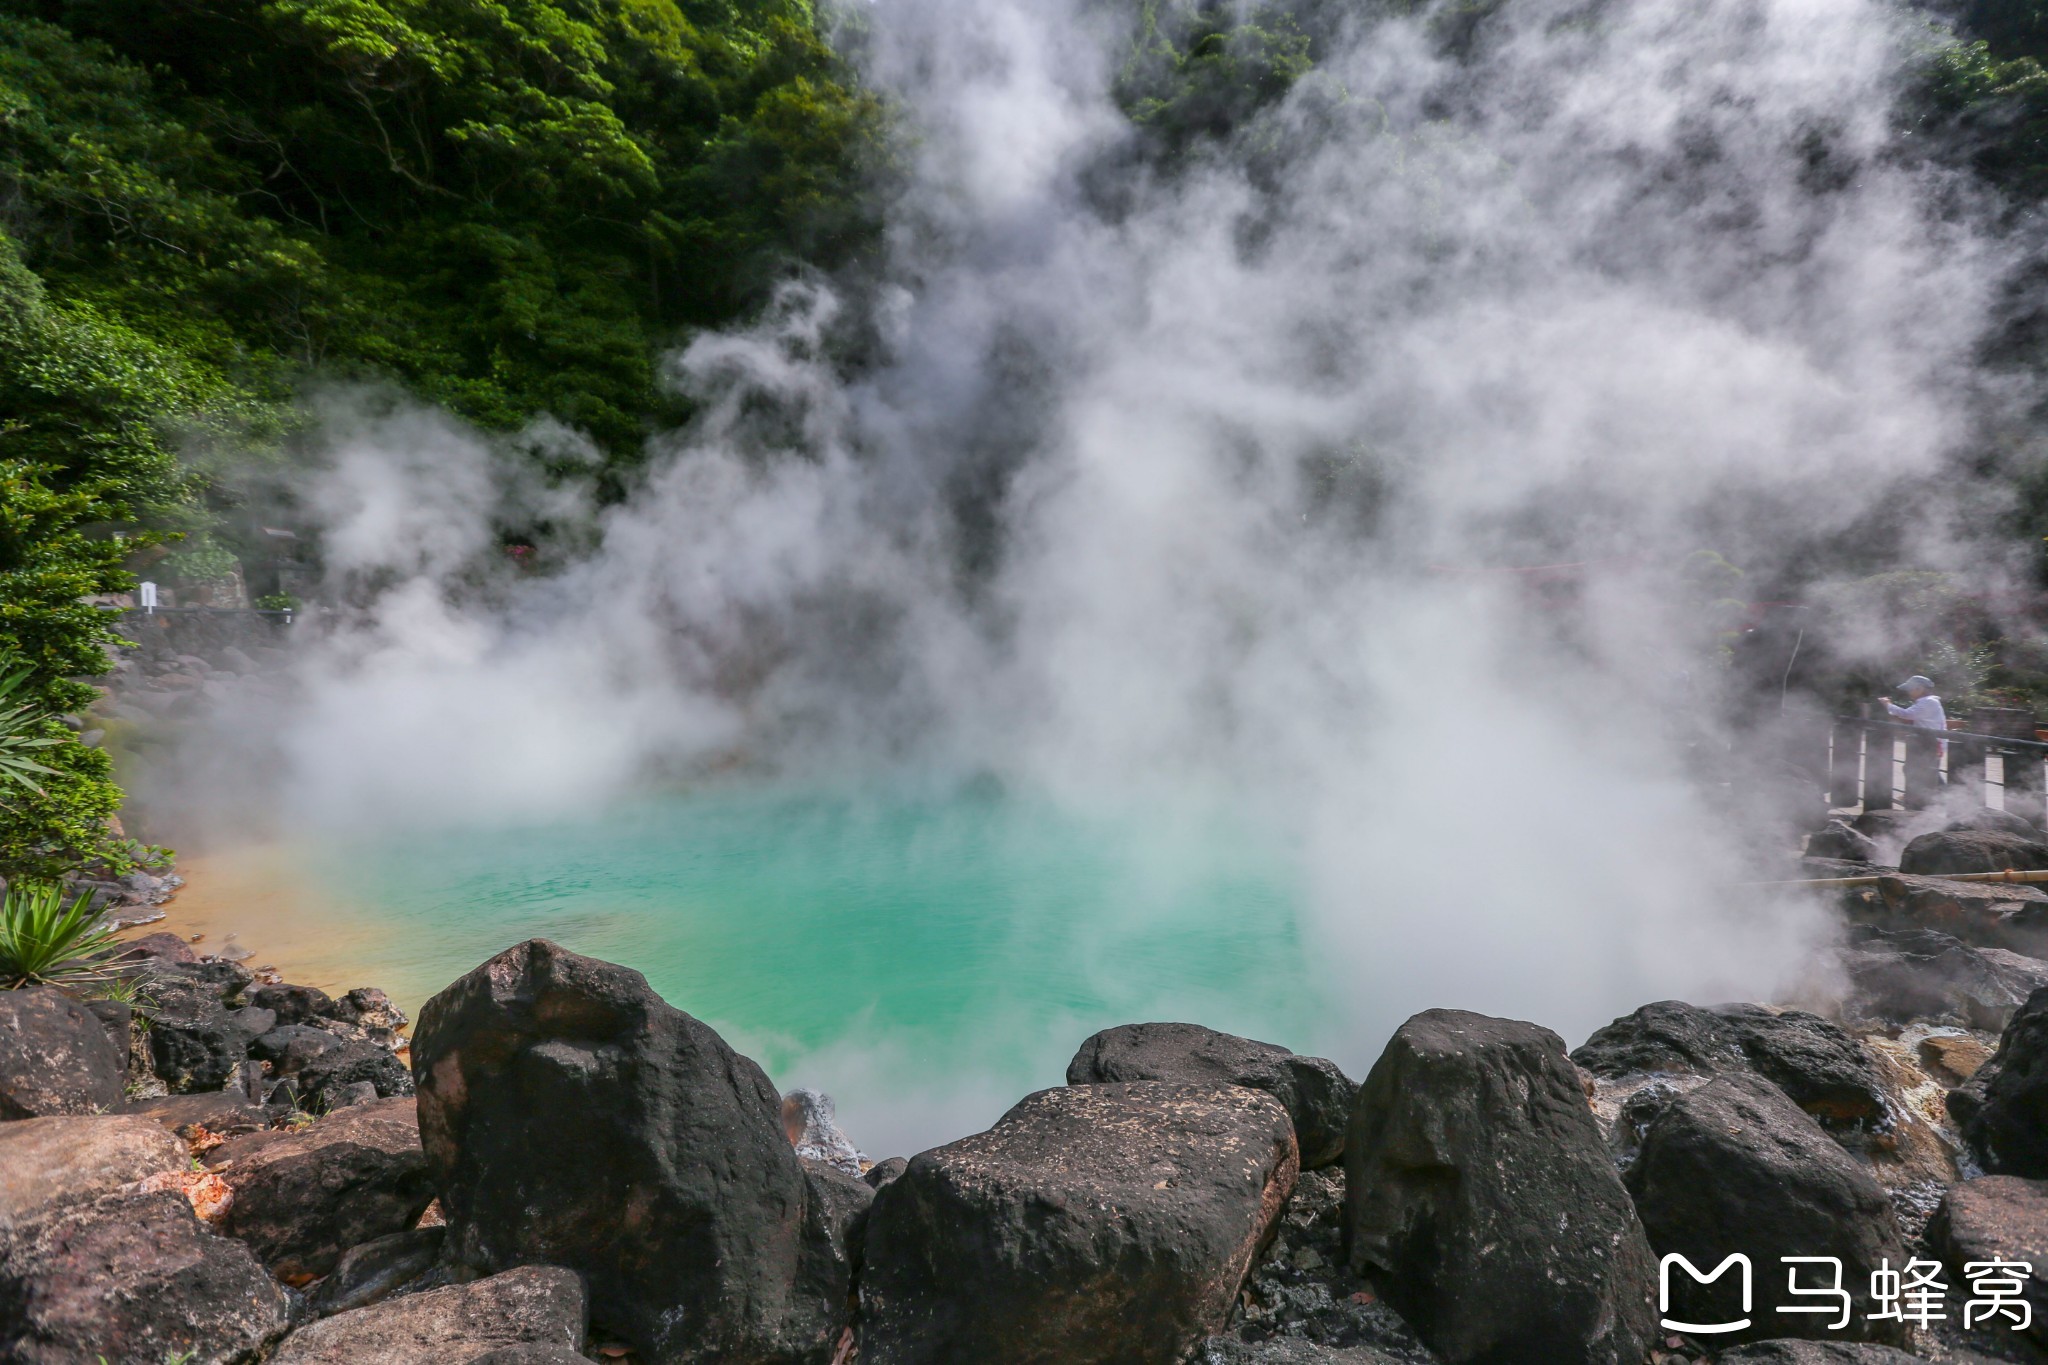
{"x":560,"y":1166}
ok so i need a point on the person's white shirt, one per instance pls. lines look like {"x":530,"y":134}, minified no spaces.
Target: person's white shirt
{"x":1924,"y":712}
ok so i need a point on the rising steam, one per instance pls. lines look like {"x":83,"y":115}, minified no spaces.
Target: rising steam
{"x":1176,"y":491}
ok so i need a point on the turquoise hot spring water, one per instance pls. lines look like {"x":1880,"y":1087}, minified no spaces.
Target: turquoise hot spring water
{"x":925,"y":958}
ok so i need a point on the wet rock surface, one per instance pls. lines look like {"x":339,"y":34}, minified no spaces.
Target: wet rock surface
{"x":572,"y":1117}
{"x":2003,"y":1109}
{"x":1093,"y":1223}
{"x":1315,"y":1093}
{"x":1482,"y":1202}
{"x":531,"y":1306}
{"x":1733,"y":1167}
{"x":1997,"y":1218}
{"x":303,"y":1197}
{"x":65,"y":1160}
{"x":55,"y":1056}
{"x":132,"y":1277}
{"x":1818,"y":1065}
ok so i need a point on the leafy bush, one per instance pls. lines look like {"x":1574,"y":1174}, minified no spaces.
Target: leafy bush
{"x":22,"y":733}
{"x":47,"y":940}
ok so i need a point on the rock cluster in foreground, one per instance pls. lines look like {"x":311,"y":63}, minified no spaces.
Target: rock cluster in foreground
{"x":587,"y":1172}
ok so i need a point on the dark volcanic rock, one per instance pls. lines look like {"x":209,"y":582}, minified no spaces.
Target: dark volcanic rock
{"x":2003,"y":821}
{"x":1823,"y":1069}
{"x":371,"y":1272}
{"x":131,"y":1278}
{"x":69,"y":1159}
{"x":224,"y":1112}
{"x":160,"y":948}
{"x":304,"y":1197}
{"x":1095,"y":1223}
{"x":1814,"y":1353}
{"x":371,"y":1008}
{"x":215,"y":976}
{"x":55,"y":1058}
{"x":196,"y":1042}
{"x":1482,"y":1201}
{"x":1987,"y":914}
{"x":1837,"y":840}
{"x":1997,"y":1218}
{"x":1316,"y":1094}
{"x":572,"y":1117}
{"x":527,"y":1306}
{"x":293,"y":1004}
{"x":1973,"y":850}
{"x":2003,"y":1109}
{"x":882,"y":1172}
{"x":1901,"y":975}
{"x":324,"y":1079}
{"x":116,"y":1017}
{"x":290,"y":1046}
{"x":1733,"y":1166}
{"x":1302,"y":1303}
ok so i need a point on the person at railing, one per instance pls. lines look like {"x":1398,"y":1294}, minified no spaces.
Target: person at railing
{"x":1923,"y":709}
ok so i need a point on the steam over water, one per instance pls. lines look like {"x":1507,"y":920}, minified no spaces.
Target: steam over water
{"x":1162,"y":501}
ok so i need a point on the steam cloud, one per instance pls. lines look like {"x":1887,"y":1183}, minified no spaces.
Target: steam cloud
{"x":1168,"y":489}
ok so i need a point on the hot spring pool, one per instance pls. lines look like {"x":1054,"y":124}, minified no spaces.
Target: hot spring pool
{"x":926,"y":959}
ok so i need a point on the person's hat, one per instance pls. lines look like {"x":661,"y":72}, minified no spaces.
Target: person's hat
{"x":1916,"y":681}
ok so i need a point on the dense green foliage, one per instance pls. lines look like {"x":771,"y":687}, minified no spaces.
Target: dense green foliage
{"x":509,"y":207}
{"x":50,"y":938}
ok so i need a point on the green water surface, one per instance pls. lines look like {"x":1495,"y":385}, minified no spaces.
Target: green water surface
{"x":927,"y":959}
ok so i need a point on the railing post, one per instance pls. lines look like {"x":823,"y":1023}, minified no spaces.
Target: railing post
{"x":1966,"y":768}
{"x":1877,"y":767}
{"x":1845,"y":765}
{"x":1923,"y":770}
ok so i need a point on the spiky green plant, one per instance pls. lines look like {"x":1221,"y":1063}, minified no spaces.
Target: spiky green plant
{"x":22,"y":732}
{"x":45,"y":940}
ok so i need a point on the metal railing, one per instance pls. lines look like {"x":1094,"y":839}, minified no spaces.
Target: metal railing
{"x":1882,"y":765}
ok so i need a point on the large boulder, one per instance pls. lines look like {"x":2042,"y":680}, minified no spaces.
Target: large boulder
{"x":2003,"y":1109}
{"x":527,"y":1306}
{"x":292,"y":1004}
{"x":1973,"y":850}
{"x":1901,"y":975}
{"x":198,"y":1043}
{"x":1822,"y":1069}
{"x":1735,"y":1167}
{"x":2004,"y":821}
{"x":1482,"y":1202}
{"x":55,"y":1058}
{"x":303,"y":1197}
{"x":572,"y":1117}
{"x":1997,"y":1218}
{"x":69,"y":1159}
{"x":1316,"y":1094}
{"x":1981,"y":913}
{"x":132,"y":1277}
{"x":1987,"y":914}
{"x":1094,"y":1223}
